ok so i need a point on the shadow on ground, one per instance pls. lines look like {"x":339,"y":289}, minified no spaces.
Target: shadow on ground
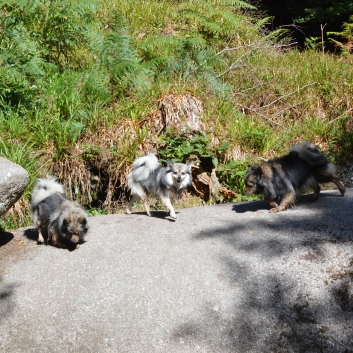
{"x":6,"y":303}
{"x":32,"y":234}
{"x":262,"y":205}
{"x":279,"y":310}
{"x":5,"y":237}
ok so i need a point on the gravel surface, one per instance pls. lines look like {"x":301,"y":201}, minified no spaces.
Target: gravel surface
{"x":225,"y":278}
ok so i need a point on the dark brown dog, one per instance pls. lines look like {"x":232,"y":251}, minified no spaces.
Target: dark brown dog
{"x":281,"y":179}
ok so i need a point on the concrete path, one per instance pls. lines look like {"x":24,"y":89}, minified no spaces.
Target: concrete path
{"x":226,"y":278}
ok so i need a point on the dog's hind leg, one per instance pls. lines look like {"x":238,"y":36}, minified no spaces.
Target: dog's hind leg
{"x":340,"y":187}
{"x":129,"y":207}
{"x":287,"y":201}
{"x":166,"y":202}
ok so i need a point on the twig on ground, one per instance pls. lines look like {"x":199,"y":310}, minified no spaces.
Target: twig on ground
{"x":340,"y":116}
{"x":264,"y":116}
{"x":291,"y":106}
{"x":286,"y":95}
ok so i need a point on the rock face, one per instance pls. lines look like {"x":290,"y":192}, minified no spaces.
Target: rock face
{"x":13,"y":181}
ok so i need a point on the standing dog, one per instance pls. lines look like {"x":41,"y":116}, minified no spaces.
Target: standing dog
{"x":64,"y":220}
{"x":149,"y":179}
{"x":281,"y":179}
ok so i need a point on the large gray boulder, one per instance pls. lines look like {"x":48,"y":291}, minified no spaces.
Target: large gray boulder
{"x":13,"y":181}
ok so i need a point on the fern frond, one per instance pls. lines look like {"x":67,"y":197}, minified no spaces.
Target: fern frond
{"x":158,"y":42}
{"x":120,"y":58}
{"x":236,"y":3}
{"x":263,"y":21}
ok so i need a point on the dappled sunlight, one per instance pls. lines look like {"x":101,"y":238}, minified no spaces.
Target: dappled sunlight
{"x":290,"y":278}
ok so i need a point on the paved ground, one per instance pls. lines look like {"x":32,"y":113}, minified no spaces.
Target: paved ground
{"x":226,"y":278}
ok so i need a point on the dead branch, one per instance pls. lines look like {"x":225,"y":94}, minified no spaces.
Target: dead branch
{"x":264,"y":116}
{"x":287,"y":95}
{"x":340,"y":116}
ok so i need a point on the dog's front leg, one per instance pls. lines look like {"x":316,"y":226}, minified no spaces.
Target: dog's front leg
{"x":286,"y":202}
{"x":147,"y":207}
{"x":40,"y":236}
{"x":55,"y":238}
{"x":167,"y":203}
{"x":272,"y":203}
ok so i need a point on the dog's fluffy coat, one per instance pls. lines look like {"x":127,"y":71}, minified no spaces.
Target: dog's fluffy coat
{"x":64,"y":221}
{"x":148,"y":179}
{"x":281,"y":179}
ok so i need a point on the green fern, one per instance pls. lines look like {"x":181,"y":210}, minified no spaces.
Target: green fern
{"x":119,"y":57}
{"x":57,"y":27}
{"x":346,"y":46}
{"x":237,"y":4}
{"x":216,"y":19}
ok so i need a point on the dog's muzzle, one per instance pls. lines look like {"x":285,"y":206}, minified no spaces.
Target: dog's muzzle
{"x":248,"y":191}
{"x":75,"y":238}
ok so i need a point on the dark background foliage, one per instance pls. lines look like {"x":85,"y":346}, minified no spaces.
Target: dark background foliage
{"x":304,"y":18}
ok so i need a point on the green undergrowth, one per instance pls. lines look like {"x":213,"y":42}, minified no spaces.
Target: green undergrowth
{"x":81,"y":85}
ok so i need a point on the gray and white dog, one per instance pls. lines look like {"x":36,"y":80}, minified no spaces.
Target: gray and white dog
{"x":64,"y":220}
{"x":149,"y":179}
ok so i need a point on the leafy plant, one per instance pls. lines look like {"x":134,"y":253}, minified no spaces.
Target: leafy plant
{"x":180,"y":147}
{"x":231,"y":175}
{"x":96,"y":212}
{"x":254,"y":138}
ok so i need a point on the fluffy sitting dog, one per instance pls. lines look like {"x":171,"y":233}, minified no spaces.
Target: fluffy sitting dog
{"x":149,"y":179}
{"x":64,"y":220}
{"x":281,"y":179}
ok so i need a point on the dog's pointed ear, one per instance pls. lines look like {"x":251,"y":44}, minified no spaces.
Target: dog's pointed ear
{"x":190,"y":164}
{"x":169,"y":163}
{"x":254,"y":170}
{"x":258,"y":171}
{"x":251,"y":169}
{"x":65,"y":224}
{"x":84,"y":224}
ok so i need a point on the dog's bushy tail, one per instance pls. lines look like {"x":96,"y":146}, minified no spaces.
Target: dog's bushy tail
{"x":142,"y":168}
{"x":311,"y":154}
{"x":323,"y":171}
{"x":140,"y":175}
{"x":44,"y":188}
